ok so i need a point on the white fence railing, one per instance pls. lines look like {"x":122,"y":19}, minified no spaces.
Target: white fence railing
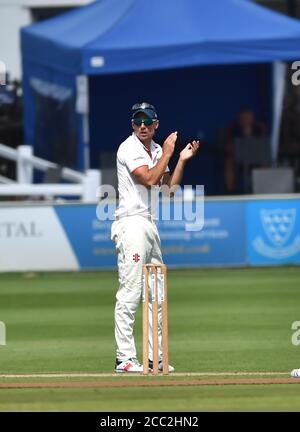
{"x":84,"y":184}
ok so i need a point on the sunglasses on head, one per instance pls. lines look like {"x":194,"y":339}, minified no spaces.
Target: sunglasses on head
{"x":146,"y":121}
{"x":143,"y":105}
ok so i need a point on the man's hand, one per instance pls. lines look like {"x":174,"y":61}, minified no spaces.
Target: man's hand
{"x":189,"y":151}
{"x":169,"y":144}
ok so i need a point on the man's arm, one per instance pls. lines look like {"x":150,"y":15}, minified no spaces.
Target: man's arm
{"x":187,"y":153}
{"x":150,"y":177}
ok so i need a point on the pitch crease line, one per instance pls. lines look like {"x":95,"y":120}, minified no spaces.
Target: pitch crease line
{"x":109,"y":375}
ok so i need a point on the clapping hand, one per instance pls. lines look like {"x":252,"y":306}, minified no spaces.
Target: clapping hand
{"x":169,"y":144}
{"x":189,"y":151}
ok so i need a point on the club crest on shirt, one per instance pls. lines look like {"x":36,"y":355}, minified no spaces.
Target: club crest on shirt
{"x":136,"y":257}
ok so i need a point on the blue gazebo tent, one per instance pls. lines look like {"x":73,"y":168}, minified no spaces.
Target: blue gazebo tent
{"x":102,"y":57}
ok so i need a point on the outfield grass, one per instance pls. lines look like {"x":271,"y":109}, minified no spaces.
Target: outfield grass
{"x":189,"y":399}
{"x":219,"y":320}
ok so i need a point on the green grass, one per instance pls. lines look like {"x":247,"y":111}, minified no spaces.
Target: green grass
{"x":207,"y":398}
{"x":219,"y":320}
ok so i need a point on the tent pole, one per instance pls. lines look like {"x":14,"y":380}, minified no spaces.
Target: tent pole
{"x":86,"y":141}
{"x":82,"y":108}
{"x":279,"y":73}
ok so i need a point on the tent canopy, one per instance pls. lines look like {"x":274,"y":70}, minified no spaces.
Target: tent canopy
{"x":113,"y":36}
{"x":162,"y":51}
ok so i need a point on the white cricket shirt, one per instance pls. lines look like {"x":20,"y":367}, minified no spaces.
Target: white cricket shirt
{"x":134,"y":198}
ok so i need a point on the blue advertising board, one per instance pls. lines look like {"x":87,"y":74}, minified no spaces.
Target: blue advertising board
{"x":89,"y":237}
{"x":221,"y":241}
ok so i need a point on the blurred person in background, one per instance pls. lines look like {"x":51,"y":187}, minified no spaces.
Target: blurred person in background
{"x":245,"y":126}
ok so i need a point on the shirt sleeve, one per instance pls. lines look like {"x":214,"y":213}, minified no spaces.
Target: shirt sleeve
{"x":133,"y":161}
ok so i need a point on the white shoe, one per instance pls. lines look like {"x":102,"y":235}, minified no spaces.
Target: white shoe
{"x":131,"y":365}
{"x":295,"y":373}
{"x":160,"y":366}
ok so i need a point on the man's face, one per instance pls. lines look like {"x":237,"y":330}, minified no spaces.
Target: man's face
{"x":143,"y":132}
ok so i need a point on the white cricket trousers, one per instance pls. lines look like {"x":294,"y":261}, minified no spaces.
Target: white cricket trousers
{"x":137,"y":243}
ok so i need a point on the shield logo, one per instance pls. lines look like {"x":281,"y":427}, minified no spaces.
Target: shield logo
{"x":278,"y":224}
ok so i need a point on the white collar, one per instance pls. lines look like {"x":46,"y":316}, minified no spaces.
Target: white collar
{"x":153,"y":145}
